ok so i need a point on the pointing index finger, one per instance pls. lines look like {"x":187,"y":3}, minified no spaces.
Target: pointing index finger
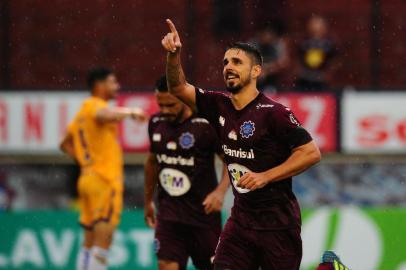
{"x":171,"y":26}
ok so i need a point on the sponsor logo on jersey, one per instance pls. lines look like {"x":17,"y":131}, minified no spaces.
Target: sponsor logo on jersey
{"x":238,"y":153}
{"x":175,"y":182}
{"x":179,"y":160}
{"x":200,"y":120}
{"x":247,"y":129}
{"x":222,"y":120}
{"x":293,"y":119}
{"x":232,"y":135}
{"x":186,"y":140}
{"x":157,"y":118}
{"x":171,"y":145}
{"x":156,"y":137}
{"x":259,"y":106}
{"x":236,"y":172}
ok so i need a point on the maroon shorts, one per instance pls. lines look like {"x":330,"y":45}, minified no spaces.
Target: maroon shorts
{"x":245,"y":249}
{"x":177,"y":242}
{"x":325,"y":266}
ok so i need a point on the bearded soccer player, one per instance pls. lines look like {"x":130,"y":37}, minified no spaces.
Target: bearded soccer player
{"x":181,"y":161}
{"x":264,"y":147}
{"x":91,"y":140}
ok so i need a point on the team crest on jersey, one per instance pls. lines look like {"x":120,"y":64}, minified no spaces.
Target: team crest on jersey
{"x":247,"y":129}
{"x":222,"y":120}
{"x":186,"y":140}
{"x":232,"y":135}
{"x":171,"y":145}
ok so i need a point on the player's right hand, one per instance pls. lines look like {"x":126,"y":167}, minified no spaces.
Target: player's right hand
{"x":171,"y":42}
{"x":149,"y":215}
{"x":139,"y":115}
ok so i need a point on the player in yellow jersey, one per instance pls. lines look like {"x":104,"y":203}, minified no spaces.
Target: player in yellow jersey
{"x":91,"y":139}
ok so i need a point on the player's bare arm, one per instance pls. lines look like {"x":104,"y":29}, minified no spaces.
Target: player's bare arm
{"x":117,"y":114}
{"x":66,"y":145}
{"x":302,"y":158}
{"x":177,"y":83}
{"x":214,"y":200}
{"x":151,"y":180}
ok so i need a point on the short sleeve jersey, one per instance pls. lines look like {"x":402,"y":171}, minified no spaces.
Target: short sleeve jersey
{"x":96,"y":144}
{"x":256,"y":138}
{"x":185,"y":154}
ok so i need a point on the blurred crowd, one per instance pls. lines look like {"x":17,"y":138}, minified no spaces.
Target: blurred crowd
{"x":310,"y":60}
{"x":362,"y":184}
{"x":41,"y":47}
{"x":328,"y":184}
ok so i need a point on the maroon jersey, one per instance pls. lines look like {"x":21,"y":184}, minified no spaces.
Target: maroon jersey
{"x":185,"y":154}
{"x":256,"y":138}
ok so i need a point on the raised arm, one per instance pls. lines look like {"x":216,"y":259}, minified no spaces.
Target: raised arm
{"x":116,"y":114}
{"x":177,"y":83}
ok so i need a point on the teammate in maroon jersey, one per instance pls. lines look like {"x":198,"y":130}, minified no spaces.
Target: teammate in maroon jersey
{"x":189,"y":198}
{"x":264,"y":146}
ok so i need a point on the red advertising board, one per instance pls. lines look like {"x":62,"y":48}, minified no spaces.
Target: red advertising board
{"x":36,"y":122}
{"x":133,"y":136}
{"x":317,"y":113}
{"x":373,"y":122}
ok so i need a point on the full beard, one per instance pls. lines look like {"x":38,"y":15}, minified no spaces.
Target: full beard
{"x":236,"y":88}
{"x":233,"y":89}
{"x":175,"y":119}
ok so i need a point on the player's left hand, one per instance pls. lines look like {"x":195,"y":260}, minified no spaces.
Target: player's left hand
{"x":253,"y":181}
{"x":213,"y":202}
{"x":149,"y":215}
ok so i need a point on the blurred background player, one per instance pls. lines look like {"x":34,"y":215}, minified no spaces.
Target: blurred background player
{"x":91,"y":140}
{"x":264,"y":147}
{"x":276,"y":59}
{"x":183,"y":147}
{"x":316,"y":55}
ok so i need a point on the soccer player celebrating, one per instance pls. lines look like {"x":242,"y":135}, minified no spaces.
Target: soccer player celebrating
{"x":188,"y":222}
{"x":91,"y":140}
{"x":264,"y":146}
